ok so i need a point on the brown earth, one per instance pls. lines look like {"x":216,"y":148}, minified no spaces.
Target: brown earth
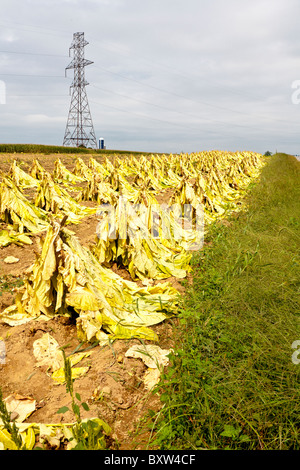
{"x":125,"y":402}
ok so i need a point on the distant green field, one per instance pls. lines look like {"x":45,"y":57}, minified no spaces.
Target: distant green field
{"x":48,"y":149}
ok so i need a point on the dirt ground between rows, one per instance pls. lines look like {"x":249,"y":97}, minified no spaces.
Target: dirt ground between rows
{"x":125,"y":402}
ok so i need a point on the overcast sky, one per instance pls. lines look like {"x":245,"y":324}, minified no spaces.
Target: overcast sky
{"x":168,"y":75}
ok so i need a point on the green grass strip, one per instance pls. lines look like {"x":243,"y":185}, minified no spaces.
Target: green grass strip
{"x":232,"y":383}
{"x":51,"y":149}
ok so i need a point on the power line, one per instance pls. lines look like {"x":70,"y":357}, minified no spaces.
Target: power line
{"x":42,"y":29}
{"x":143,"y":115}
{"x":33,"y":53}
{"x":172,"y":123}
{"x":160,"y":107}
{"x":168,"y":92}
{"x":204,"y":120}
{"x":231,"y":128}
{"x":30,"y":75}
{"x":35,"y":96}
{"x":167,"y":68}
{"x":194,"y":100}
{"x":175,"y":94}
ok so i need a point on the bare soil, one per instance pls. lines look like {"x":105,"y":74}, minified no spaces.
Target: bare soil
{"x":125,"y":402}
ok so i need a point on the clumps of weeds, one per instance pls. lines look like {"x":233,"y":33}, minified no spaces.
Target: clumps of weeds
{"x":90,"y":434}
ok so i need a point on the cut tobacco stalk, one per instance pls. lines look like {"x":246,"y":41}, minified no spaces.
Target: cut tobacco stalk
{"x":15,"y":209}
{"x":52,"y":198}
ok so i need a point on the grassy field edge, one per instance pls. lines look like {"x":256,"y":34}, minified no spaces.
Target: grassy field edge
{"x":58,"y":149}
{"x":233,"y":383}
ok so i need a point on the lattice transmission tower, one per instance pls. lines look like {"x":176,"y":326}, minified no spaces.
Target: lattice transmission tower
{"x":79,"y":129}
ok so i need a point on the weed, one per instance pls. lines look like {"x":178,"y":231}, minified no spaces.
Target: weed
{"x":90,"y":434}
{"x":10,"y":426}
{"x":9,"y":283}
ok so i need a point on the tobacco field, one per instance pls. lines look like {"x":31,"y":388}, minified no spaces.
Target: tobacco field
{"x":93,"y":251}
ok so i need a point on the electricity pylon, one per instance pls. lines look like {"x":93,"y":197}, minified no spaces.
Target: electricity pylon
{"x":79,"y":129}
